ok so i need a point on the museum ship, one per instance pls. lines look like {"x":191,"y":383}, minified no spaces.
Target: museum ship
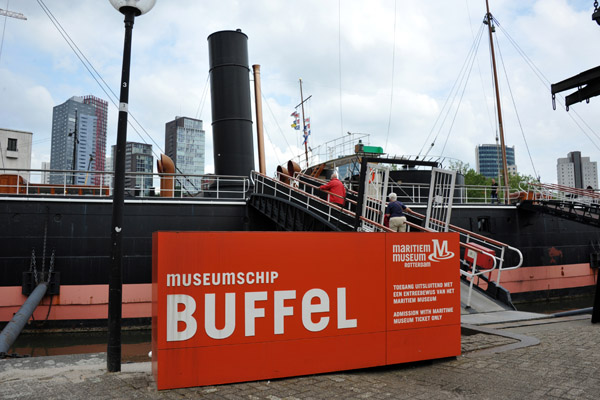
{"x":61,"y":233}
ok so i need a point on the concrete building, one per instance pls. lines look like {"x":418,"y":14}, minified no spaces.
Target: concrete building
{"x":138,"y":158}
{"x":79,"y":140}
{"x":576,"y":171}
{"x":488,"y":160}
{"x":15,"y":152}
{"x":185,"y":144}
{"x":46,"y":172}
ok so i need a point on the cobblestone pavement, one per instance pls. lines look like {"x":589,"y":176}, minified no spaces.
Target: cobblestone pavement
{"x":564,"y":365}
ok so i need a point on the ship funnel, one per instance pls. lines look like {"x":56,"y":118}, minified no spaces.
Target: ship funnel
{"x":231,"y":109}
{"x":293,"y":168}
{"x":166,"y":166}
{"x":282,"y":174}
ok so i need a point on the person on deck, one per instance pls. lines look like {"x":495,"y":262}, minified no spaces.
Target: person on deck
{"x":395,"y":212}
{"x":335,"y":186}
{"x":494,"y":192}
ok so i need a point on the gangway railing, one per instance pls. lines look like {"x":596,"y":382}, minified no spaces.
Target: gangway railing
{"x":479,"y":255}
{"x":301,"y":194}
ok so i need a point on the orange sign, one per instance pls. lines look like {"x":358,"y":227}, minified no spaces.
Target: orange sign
{"x":241,"y":306}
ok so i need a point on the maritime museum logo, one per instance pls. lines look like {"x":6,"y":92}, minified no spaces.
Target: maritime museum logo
{"x":421,"y":255}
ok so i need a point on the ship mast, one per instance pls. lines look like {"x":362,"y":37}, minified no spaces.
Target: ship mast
{"x":303,"y":124}
{"x":488,"y":18}
{"x":304,"y":130}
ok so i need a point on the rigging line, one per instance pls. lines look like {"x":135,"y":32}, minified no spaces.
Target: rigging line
{"x":275,"y":119}
{"x":496,"y":118}
{"x":458,"y":105}
{"x":562,"y":104}
{"x":340,"y":63}
{"x":481,"y":28}
{"x":542,"y":77}
{"x":203,"y":97}
{"x":79,"y":54}
{"x":464,"y":73}
{"x":515,"y":106}
{"x":272,"y":145}
{"x":392,"y":88}
{"x":451,"y":91}
{"x":3,"y":30}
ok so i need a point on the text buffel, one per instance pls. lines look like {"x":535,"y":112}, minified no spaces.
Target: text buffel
{"x":315,"y":312}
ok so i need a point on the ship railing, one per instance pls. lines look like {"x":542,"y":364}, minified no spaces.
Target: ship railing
{"x":418,"y":193}
{"x":289,"y":189}
{"x":537,"y":191}
{"x":66,"y":183}
{"x":336,"y":148}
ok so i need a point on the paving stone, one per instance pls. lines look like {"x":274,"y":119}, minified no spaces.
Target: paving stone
{"x":564,"y":365}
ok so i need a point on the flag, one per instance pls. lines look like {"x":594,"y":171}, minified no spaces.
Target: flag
{"x":296,"y":124}
{"x":305,"y":136}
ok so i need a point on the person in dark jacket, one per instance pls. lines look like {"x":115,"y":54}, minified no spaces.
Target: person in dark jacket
{"x":494,"y":192}
{"x":395,"y":212}
{"x":335,"y":186}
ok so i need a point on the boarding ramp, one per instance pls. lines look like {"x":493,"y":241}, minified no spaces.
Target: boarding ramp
{"x":478,"y":301}
{"x":296,"y":205}
{"x":581,"y":205}
{"x":479,"y":255}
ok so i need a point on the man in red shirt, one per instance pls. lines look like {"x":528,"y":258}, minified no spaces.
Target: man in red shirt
{"x":335,"y":186}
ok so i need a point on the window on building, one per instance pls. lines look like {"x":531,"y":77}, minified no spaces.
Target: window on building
{"x":12,"y":145}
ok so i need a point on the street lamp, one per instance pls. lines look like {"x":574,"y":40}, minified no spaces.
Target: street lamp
{"x":131,"y":9}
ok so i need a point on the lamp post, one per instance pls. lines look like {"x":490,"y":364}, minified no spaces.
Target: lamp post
{"x":130,"y":9}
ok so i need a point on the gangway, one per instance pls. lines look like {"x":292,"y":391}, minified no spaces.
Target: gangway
{"x":281,"y":201}
{"x":581,"y":205}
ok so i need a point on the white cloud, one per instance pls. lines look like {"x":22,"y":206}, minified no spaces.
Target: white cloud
{"x":308,"y":39}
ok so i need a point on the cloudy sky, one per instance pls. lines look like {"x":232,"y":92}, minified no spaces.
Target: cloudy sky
{"x":394,"y":69}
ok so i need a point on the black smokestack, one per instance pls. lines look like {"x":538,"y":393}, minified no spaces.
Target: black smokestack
{"x":231,"y":109}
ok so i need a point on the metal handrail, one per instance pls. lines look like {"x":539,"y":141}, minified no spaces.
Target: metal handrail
{"x":469,"y":237}
{"x":567,"y":194}
{"x":463,"y":194}
{"x":221,"y":187}
{"x":373,"y":226}
{"x":286,"y":190}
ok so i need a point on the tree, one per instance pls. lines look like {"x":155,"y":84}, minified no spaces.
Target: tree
{"x":473,"y":194}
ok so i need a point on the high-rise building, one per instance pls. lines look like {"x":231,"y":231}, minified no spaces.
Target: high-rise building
{"x":46,"y":172}
{"x":78,"y":139}
{"x":15,"y":152}
{"x":488,"y":159}
{"x":184,"y":143}
{"x":101,"y":107}
{"x":138,"y":158}
{"x":576,"y":171}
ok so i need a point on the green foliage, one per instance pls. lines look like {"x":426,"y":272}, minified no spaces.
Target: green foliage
{"x":515,"y":182}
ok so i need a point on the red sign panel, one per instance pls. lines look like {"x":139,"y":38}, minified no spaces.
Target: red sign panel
{"x":240,"y":306}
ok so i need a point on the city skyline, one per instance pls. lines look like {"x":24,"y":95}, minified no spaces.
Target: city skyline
{"x":386,"y":69}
